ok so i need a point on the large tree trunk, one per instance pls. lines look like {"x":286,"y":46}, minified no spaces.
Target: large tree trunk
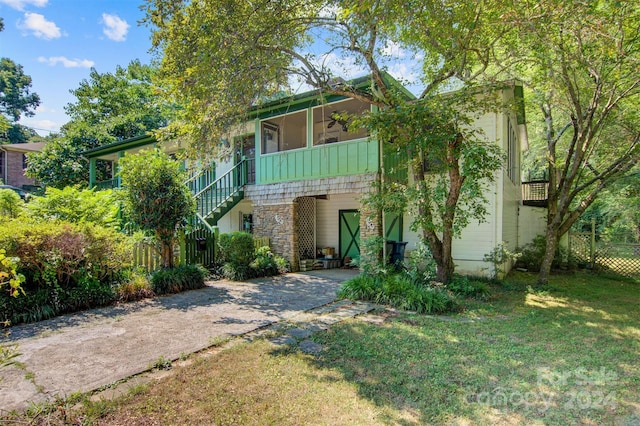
{"x":549,"y":254}
{"x":167,"y":255}
{"x":445,"y":267}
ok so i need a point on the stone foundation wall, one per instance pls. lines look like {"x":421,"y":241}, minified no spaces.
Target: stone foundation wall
{"x":275,"y":209}
{"x":276,"y":222}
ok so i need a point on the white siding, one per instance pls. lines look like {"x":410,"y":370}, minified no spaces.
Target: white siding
{"x":533,"y":221}
{"x":231,"y":221}
{"x":327,"y":232}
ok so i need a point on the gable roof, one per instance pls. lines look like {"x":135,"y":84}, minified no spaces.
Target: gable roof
{"x":24,"y":147}
{"x":316,"y":97}
{"x":123,"y":145}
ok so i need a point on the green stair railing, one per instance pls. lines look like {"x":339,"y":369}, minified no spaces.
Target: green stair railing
{"x":216,"y":199}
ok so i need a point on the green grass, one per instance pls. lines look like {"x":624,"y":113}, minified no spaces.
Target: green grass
{"x":564,"y":354}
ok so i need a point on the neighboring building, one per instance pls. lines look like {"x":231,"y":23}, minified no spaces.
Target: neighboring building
{"x":13,"y":162}
{"x":297,"y":174}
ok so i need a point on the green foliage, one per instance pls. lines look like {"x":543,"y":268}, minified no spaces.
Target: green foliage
{"x":155,"y":196}
{"x":178,"y":279}
{"x":421,"y":266}
{"x":531,"y":254}
{"x":398,"y":290}
{"x":451,"y":162}
{"x":60,"y":164}
{"x":11,"y":205}
{"x":109,"y":107}
{"x":15,"y":88}
{"x":134,"y":286}
{"x":66,"y":267}
{"x":76,"y":205}
{"x":236,"y":247}
{"x":468,"y":287}
{"x":499,"y":256}
{"x":267,"y":264}
{"x":9,"y":275}
{"x":240,"y":260}
{"x":236,"y":251}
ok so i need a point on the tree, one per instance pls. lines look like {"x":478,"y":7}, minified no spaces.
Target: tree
{"x":108,"y":108}
{"x":16,"y":98}
{"x":451,"y":164}
{"x":155,"y":197}
{"x":580,"y":61}
{"x":221,"y":57}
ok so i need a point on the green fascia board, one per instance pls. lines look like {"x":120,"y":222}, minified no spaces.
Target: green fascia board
{"x":123,"y":145}
{"x":313,"y":98}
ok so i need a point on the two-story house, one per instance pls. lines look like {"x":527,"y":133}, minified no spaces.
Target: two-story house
{"x":298,"y":172}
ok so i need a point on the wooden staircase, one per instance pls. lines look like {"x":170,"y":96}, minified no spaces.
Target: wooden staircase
{"x":217,"y":197}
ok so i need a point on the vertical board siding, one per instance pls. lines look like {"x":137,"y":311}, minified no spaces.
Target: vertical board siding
{"x":338,"y":159}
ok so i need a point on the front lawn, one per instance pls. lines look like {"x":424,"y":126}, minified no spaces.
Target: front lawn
{"x":566,"y":354}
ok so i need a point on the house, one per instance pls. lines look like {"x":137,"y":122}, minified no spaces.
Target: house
{"x":297,"y":173}
{"x":13,"y":162}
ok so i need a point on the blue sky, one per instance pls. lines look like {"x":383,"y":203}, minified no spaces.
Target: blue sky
{"x":58,"y":41}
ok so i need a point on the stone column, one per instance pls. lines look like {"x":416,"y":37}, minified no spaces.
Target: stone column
{"x":277,"y":221}
{"x":370,"y":227}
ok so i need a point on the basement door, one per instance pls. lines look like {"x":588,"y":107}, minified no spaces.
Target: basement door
{"x":349,"y":233}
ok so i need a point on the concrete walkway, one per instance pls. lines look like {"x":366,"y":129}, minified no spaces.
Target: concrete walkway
{"x":86,"y":351}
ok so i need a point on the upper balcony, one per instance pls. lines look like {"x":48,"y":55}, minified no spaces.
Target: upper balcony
{"x":316,"y":141}
{"x":535,"y":193}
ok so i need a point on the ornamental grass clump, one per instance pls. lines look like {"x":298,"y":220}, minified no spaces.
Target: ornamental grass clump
{"x":399,"y":291}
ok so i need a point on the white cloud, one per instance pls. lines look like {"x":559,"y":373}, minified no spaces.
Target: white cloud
{"x":42,"y":127}
{"x":342,"y":66}
{"x":67,"y":63}
{"x":393,"y":49}
{"x":20,"y":4}
{"x":115,"y":28}
{"x":40,"y":27}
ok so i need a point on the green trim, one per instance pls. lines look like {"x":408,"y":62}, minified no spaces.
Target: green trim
{"x":317,"y":97}
{"x":122,"y":145}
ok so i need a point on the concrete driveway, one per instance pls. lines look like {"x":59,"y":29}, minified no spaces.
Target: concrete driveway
{"x":88,"y":350}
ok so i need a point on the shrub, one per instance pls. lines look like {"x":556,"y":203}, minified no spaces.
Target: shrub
{"x":237,"y":252}
{"x":532,"y":254}
{"x":9,"y":275}
{"x":135,"y":286}
{"x":180,"y":278}
{"x":264,"y":264}
{"x":76,"y":205}
{"x":63,"y":253}
{"x":66,"y":267}
{"x":400,"y":291}
{"x":11,"y":205}
{"x":155,"y":197}
{"x":236,"y":248}
{"x":466,"y":287}
{"x":421,"y":266}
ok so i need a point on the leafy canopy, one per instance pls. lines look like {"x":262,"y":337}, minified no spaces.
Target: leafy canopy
{"x":109,"y":107}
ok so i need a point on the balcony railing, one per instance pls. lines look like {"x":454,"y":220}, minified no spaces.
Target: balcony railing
{"x":535,"y":193}
{"x":107,"y":184}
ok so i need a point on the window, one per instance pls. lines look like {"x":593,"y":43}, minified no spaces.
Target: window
{"x":284,"y":133}
{"x":331,"y":123}
{"x":246,"y":222}
{"x":24,"y":161}
{"x":2,"y":153}
{"x":512,"y":152}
